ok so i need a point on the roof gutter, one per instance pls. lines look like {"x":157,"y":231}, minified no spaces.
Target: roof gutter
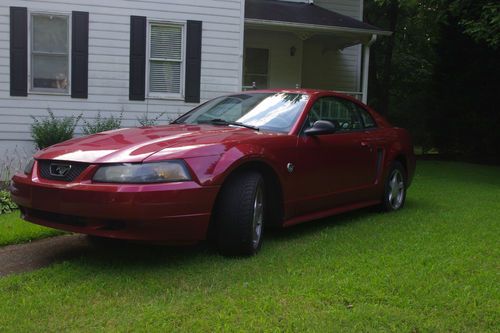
{"x":315,"y":27}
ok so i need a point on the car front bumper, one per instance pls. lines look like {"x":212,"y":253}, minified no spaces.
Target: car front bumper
{"x":171,"y":212}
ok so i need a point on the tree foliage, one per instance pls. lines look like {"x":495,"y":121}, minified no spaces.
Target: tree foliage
{"x":437,"y":72}
{"x":480,"y":19}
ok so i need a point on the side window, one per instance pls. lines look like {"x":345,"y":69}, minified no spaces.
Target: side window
{"x":336,"y":110}
{"x":366,"y":117}
{"x":49,"y":53}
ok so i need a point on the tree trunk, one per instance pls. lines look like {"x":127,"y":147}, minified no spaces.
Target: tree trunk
{"x":385,"y":86}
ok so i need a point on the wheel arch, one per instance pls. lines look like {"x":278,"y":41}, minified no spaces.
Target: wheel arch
{"x":401,"y":158}
{"x":273,"y":189}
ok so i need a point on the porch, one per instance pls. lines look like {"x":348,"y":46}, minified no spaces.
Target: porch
{"x":300,"y":45}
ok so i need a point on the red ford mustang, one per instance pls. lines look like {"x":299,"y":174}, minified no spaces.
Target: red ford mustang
{"x":229,"y":168}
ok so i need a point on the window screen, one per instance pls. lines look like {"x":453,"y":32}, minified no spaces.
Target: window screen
{"x":165,"y":59}
{"x":50,"y":52}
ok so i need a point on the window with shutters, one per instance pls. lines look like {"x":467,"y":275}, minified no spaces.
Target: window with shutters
{"x":50,"y":50}
{"x":166,"y":60}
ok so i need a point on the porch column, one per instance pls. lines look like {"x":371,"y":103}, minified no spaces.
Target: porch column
{"x":365,"y":70}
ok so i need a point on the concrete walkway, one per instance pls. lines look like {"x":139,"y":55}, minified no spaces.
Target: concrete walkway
{"x":40,"y":253}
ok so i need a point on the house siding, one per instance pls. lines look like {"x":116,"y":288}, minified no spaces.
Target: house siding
{"x":343,"y":66}
{"x":108,"y":74}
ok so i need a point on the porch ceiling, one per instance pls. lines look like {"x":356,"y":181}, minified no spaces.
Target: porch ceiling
{"x":307,"y":20}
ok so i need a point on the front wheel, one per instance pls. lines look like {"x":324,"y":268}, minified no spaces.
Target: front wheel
{"x":239,"y":215}
{"x":395,"y":188}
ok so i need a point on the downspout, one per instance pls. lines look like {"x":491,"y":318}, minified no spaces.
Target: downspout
{"x":366,"y":64}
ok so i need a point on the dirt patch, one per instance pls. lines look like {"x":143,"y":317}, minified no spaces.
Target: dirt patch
{"x":37,"y":254}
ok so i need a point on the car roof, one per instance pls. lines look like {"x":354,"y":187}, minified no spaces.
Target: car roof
{"x":310,"y":92}
{"x":296,"y":91}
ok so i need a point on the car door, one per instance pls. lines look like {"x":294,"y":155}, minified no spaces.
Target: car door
{"x":334,"y":169}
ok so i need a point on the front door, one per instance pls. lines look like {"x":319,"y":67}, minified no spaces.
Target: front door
{"x":338,"y":168}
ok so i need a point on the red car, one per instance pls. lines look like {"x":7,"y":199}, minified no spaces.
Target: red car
{"x":229,"y":168}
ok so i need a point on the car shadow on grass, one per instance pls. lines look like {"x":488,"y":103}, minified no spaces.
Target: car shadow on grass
{"x":130,"y":253}
{"x":114,"y":254}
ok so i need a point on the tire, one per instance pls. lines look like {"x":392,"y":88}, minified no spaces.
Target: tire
{"x":239,"y":215}
{"x":394,"y":188}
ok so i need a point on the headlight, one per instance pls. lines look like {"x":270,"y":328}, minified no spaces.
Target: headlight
{"x":157,"y":172}
{"x":29,"y":166}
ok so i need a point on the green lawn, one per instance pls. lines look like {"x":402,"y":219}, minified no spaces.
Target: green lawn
{"x":13,"y":230}
{"x":433,"y":266}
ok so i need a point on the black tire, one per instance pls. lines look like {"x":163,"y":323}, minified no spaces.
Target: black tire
{"x":394,"y":198}
{"x":236,"y":232}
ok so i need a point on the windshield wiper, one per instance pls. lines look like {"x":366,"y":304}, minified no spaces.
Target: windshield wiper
{"x":219,"y":121}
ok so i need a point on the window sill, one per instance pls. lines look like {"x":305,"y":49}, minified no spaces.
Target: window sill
{"x":166,"y":97}
{"x":50,"y":93}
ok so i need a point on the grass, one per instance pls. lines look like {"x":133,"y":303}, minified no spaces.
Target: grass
{"x":13,"y":230}
{"x":433,"y":266}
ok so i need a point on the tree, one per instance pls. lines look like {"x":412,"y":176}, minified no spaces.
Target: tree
{"x":466,"y":79}
{"x":438,"y":72}
{"x":401,"y":67}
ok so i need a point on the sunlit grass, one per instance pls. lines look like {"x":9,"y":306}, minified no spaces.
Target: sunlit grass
{"x":13,"y":230}
{"x":430,"y":267}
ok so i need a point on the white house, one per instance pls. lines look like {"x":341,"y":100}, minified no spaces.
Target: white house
{"x":90,"y":56}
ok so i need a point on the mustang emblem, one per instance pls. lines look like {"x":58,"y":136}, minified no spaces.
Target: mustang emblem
{"x":59,"y":170}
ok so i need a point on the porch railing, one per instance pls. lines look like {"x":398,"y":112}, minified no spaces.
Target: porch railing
{"x":356,"y":94}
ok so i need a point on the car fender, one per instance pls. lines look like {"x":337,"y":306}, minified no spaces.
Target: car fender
{"x":213,"y":170}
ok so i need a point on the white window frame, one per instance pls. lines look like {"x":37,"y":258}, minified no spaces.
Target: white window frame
{"x":175,"y":96}
{"x":47,"y":91}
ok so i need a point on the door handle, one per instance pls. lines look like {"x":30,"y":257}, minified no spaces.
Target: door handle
{"x":366,"y":145}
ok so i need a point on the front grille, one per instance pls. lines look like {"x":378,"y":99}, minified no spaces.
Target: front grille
{"x":75,"y":221}
{"x":75,"y":169}
{"x":71,"y":220}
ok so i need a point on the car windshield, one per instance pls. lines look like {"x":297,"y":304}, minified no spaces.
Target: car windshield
{"x":268,"y":111}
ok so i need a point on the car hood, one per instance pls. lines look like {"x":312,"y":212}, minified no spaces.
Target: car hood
{"x":131,"y":145}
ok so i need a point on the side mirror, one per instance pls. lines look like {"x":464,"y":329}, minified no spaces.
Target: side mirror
{"x":321,"y":127}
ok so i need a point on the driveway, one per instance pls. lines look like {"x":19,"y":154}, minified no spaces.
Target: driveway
{"x":27,"y":257}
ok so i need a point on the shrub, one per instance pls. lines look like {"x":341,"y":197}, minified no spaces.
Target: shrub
{"x":145,"y":121}
{"x":50,"y":130}
{"x":101,"y":124}
{"x":6,"y":203}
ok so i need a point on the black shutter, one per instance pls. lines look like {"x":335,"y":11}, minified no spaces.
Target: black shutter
{"x":79,"y":54}
{"x":18,"y":51}
{"x":137,"y":71}
{"x":193,"y":62}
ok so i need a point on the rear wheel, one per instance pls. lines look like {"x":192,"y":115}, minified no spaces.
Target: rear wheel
{"x":395,"y":188}
{"x":239,"y":215}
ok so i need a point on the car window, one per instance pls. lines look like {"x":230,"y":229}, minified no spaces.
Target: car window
{"x":366,"y":117}
{"x":340,"y":112}
{"x":268,"y":111}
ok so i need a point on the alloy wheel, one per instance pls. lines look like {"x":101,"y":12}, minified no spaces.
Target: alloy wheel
{"x":258,"y":216}
{"x":396,"y":189}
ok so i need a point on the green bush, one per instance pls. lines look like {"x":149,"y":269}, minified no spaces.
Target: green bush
{"x":101,"y":124}
{"x":50,"y":130}
{"x":145,"y":121}
{"x":6,"y":203}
